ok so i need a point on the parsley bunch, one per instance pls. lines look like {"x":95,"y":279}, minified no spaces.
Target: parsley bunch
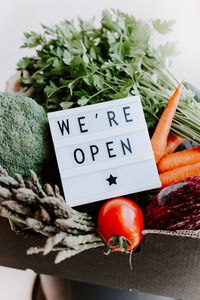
{"x":81,"y":64}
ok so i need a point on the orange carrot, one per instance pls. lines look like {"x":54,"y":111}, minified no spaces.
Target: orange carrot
{"x":178,"y":174}
{"x":173,"y":142}
{"x":159,"y":138}
{"x":179,"y":159}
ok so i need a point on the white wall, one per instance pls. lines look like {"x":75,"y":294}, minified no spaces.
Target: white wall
{"x":18,"y":16}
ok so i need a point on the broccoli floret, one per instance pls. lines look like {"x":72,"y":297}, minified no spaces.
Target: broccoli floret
{"x":24,"y":135}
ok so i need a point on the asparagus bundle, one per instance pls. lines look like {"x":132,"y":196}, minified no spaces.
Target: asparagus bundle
{"x":44,"y":210}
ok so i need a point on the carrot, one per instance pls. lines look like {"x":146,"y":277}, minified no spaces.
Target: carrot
{"x":173,"y":142}
{"x":178,"y":174}
{"x":179,"y":159}
{"x":159,"y":138}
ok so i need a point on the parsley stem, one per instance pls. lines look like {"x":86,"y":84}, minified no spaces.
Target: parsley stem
{"x":112,"y":88}
{"x":94,"y":95}
{"x":154,"y":92}
{"x":67,"y":85}
{"x":42,"y":69}
{"x":163,"y":78}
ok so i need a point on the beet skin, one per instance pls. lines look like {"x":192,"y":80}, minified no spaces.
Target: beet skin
{"x":175,"y":207}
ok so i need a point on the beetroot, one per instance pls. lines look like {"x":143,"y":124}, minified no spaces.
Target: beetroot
{"x":175,"y":207}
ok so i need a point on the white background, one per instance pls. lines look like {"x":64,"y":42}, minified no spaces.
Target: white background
{"x":18,"y":16}
{"x":24,"y":15}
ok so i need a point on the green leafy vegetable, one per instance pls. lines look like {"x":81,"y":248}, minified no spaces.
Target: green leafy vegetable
{"x":85,"y":64}
{"x":163,"y":27}
{"x":168,"y":49}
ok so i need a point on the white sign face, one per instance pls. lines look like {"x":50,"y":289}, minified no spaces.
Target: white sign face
{"x":103,"y":150}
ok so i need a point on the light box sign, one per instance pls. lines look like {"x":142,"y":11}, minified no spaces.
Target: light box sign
{"x":103,"y":150}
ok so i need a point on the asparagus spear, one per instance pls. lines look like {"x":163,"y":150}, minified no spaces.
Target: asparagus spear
{"x":44,"y":210}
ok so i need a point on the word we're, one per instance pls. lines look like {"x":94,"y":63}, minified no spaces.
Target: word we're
{"x":103,"y":120}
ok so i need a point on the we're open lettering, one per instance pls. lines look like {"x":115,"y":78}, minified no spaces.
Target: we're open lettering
{"x":103,"y":150}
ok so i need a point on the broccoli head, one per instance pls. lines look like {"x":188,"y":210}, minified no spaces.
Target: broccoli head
{"x":24,"y":135}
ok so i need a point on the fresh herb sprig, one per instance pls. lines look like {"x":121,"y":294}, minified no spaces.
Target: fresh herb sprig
{"x":85,"y":64}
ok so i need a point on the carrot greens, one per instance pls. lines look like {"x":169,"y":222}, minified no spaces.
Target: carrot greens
{"x":81,"y":63}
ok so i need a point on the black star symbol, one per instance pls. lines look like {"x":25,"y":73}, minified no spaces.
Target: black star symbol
{"x":111,"y":180}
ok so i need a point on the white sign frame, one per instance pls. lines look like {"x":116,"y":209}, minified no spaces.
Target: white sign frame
{"x":66,"y":142}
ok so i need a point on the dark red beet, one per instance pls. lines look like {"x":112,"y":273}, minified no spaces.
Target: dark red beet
{"x":175,"y":207}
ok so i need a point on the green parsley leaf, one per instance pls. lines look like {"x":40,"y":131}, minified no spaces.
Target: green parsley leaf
{"x":66,"y":105}
{"x":163,"y":27}
{"x":168,"y":49}
{"x":83,"y":101}
{"x":67,"y":57}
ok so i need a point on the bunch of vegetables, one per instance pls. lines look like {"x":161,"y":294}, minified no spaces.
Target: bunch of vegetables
{"x":76,"y":67}
{"x":68,"y":232}
{"x":173,"y":166}
{"x":120,"y":220}
{"x":85,"y":64}
{"x":43,"y":209}
{"x":176,"y":206}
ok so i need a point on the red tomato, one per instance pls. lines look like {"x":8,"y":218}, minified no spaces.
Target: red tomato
{"x":121,"y":217}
